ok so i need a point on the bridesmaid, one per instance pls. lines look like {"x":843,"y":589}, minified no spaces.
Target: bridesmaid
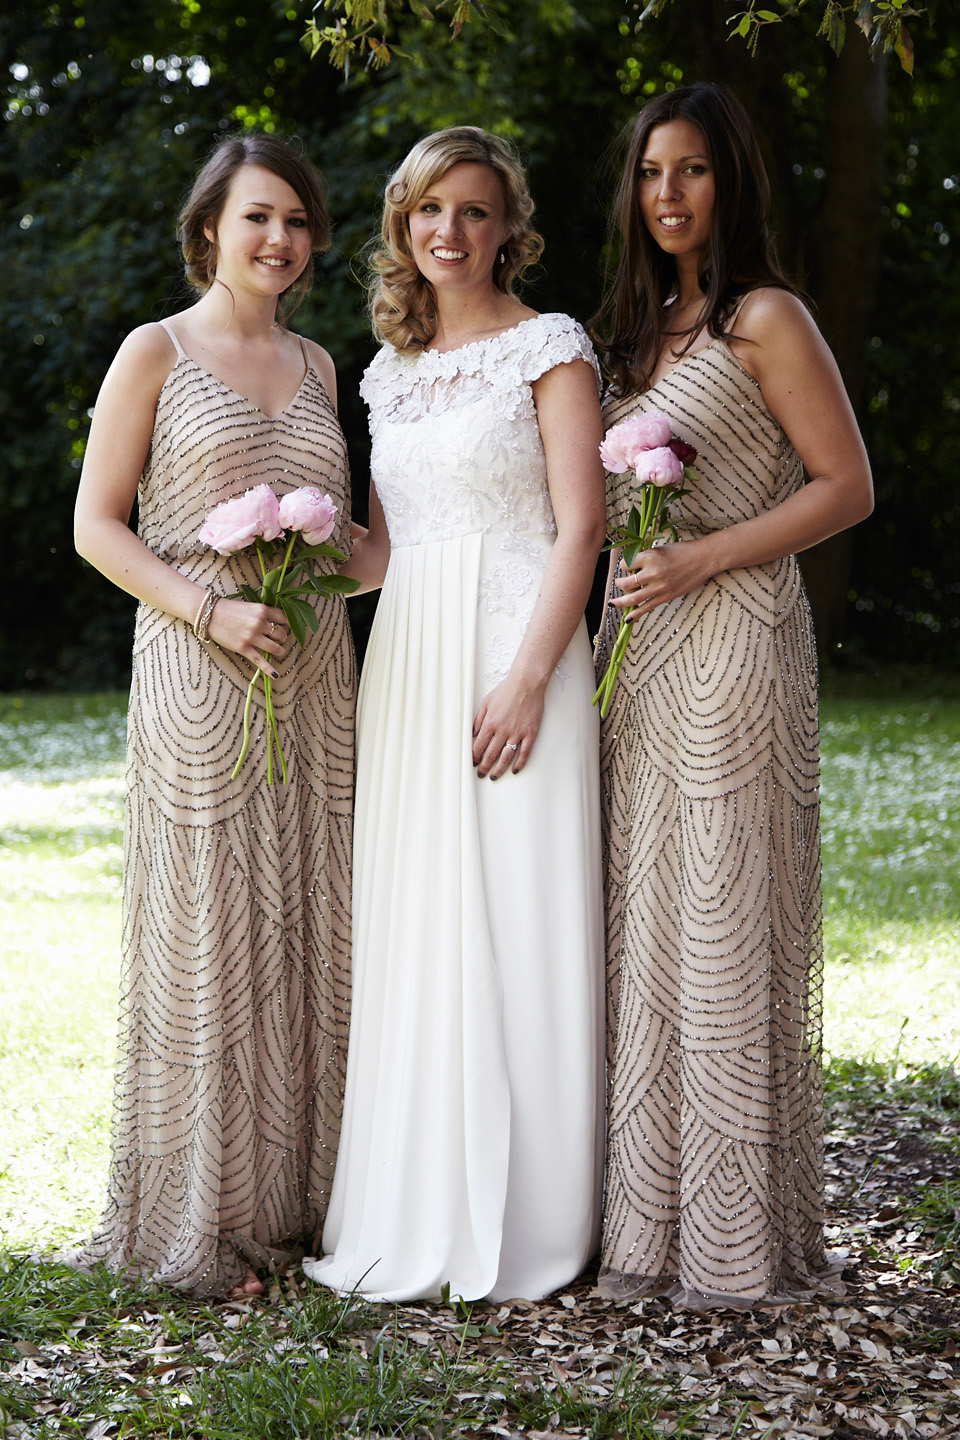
{"x":236,"y":896}
{"x":709,"y":758}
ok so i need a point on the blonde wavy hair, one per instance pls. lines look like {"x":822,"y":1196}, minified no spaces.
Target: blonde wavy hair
{"x":402,"y":302}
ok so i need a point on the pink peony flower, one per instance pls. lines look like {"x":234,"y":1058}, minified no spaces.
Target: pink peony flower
{"x":659,"y":467}
{"x":235,"y":524}
{"x":313,"y":514}
{"x":626,"y":441}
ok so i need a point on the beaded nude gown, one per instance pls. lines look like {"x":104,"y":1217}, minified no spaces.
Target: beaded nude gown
{"x":234,"y":994}
{"x":711,"y":836}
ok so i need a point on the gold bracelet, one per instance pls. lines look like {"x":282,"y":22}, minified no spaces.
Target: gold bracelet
{"x":203,"y":616}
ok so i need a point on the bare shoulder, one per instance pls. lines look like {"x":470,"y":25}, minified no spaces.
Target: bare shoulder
{"x":772,"y":326}
{"x":149,"y":344}
{"x":322,"y":362}
{"x":142,"y":363}
{"x":768,"y":312}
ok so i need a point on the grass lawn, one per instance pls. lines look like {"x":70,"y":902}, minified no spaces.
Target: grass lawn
{"x":891,"y":864}
{"x":61,"y":795}
{"x":891,"y":867}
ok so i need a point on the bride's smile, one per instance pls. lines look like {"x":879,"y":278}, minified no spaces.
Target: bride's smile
{"x":458,"y":228}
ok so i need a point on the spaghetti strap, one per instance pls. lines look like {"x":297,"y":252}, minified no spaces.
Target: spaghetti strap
{"x":181,"y":353}
{"x":306,"y":353}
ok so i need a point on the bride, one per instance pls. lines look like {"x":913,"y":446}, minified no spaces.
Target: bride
{"x":471,"y":1145}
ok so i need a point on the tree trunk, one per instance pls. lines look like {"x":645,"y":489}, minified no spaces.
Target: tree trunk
{"x":848,"y":266}
{"x":843,"y":243}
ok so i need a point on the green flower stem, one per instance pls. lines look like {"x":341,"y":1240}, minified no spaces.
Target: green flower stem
{"x":607,"y":684}
{"x":246,"y":727}
{"x":261,"y":556}
{"x":294,"y":534}
{"x":651,"y":506}
{"x":273,"y":733}
{"x":273,"y":730}
{"x":268,"y":708}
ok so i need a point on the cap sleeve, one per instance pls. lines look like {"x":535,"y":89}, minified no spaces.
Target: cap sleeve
{"x":382,"y":376}
{"x":552,"y":340}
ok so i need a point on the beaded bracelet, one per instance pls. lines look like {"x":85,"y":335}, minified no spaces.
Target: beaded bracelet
{"x":203,"y":616}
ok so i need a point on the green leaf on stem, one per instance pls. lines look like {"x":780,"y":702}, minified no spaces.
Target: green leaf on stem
{"x":338,"y":585}
{"x":327,"y":552}
{"x":300,"y":617}
{"x":270,"y":582}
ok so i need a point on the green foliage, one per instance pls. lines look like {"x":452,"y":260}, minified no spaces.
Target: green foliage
{"x":361,"y":27}
{"x":939,"y":1210}
{"x":109,"y":112}
{"x":311,"y":1365}
{"x":905,"y":587}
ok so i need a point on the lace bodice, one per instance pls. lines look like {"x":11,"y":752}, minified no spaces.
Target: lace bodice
{"x":456,"y":445}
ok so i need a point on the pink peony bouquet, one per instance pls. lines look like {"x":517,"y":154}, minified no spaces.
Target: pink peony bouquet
{"x":661,"y":462}
{"x":302,"y":521}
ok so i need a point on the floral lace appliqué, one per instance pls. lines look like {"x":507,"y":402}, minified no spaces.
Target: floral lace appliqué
{"x":506,"y":588}
{"x":498,"y":659}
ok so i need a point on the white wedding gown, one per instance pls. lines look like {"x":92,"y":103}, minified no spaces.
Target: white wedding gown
{"x":471,"y":1145}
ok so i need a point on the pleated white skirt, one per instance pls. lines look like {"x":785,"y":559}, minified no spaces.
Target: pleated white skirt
{"x":472,"y":1139}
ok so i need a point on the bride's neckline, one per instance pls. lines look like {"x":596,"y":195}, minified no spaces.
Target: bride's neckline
{"x":484,"y":339}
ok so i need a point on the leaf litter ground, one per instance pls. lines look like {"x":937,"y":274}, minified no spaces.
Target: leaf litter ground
{"x":882,"y":1358}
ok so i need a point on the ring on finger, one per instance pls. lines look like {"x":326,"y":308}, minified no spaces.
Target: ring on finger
{"x":510,"y":746}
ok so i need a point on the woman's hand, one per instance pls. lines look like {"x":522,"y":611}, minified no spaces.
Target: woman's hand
{"x":506,"y":726}
{"x":568,"y":413}
{"x":258,"y":632}
{"x":660,"y":575}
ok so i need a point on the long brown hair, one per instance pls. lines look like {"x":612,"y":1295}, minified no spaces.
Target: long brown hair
{"x":208,"y":195}
{"x":402,"y":303}
{"x":740,"y":255}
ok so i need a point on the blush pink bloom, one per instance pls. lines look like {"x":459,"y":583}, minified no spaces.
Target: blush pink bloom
{"x":659,"y":467}
{"x":626,"y":441}
{"x":235,"y":524}
{"x":313,"y":514}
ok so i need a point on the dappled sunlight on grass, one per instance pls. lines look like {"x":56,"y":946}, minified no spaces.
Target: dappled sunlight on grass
{"x":891,"y":872}
{"x":61,"y":841}
{"x":62,"y":737}
{"x":61,"y":795}
{"x":891,"y":830}
{"x":900,"y":999}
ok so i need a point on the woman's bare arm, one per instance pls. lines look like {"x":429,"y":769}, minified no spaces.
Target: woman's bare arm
{"x":568,"y":412}
{"x":801,"y":386}
{"x":116,"y":452}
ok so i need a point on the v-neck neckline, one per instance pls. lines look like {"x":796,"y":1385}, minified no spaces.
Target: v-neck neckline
{"x":239,"y":393}
{"x":718,"y":340}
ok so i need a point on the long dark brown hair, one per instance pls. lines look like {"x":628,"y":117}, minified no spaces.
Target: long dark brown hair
{"x":740,"y":256}
{"x":208,"y":196}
